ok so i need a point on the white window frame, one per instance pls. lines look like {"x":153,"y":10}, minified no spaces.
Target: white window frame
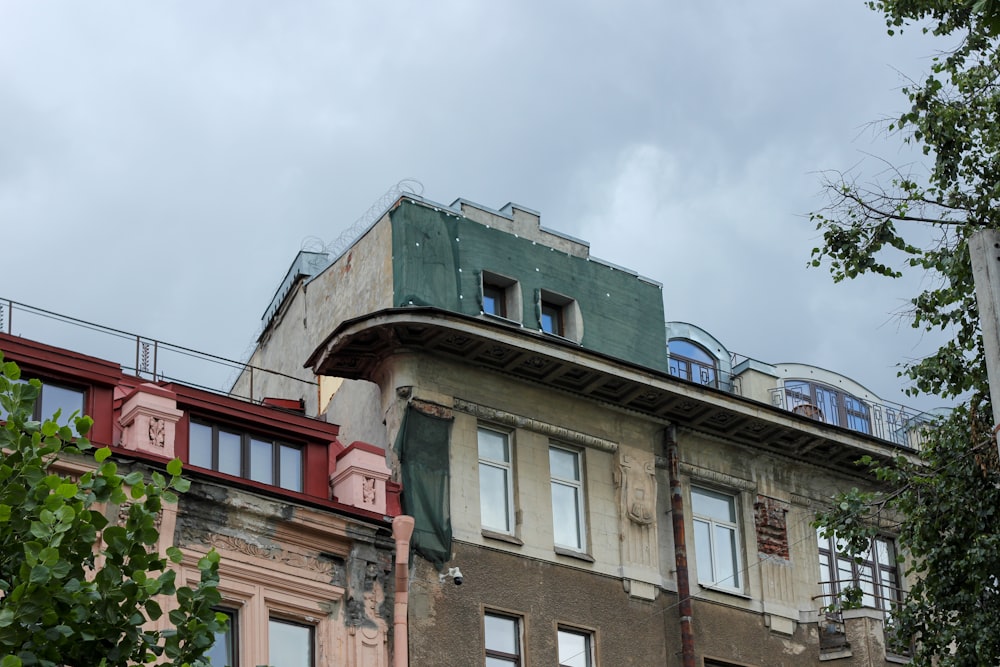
{"x":714,"y":523}
{"x":577,"y":485}
{"x":508,"y":469}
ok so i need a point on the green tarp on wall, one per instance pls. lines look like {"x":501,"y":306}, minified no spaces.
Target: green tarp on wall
{"x":422,"y":444}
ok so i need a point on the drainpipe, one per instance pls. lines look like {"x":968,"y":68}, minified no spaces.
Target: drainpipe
{"x":680,"y":549}
{"x":402,"y":529}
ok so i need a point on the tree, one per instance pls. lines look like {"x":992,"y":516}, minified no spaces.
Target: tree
{"x":947,"y":505}
{"x":76,"y":589}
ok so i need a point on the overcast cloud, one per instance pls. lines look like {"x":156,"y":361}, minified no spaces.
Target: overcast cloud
{"x":162,"y":162}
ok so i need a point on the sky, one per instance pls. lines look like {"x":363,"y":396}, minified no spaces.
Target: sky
{"x":161,"y":163}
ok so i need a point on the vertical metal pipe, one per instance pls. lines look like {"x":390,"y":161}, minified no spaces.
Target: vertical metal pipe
{"x":402,"y":529}
{"x":680,"y":549}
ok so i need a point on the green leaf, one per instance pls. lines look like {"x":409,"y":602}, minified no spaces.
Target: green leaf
{"x":102,"y":453}
{"x":174,"y":467}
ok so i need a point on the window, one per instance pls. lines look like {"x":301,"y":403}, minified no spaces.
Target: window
{"x":552,"y":319}
{"x":876,"y":575}
{"x":225,"y":650}
{"x":827,"y":404}
{"x":559,"y":315}
{"x":496,"y":488}
{"x":716,"y":538}
{"x":244,"y":455}
{"x":290,"y":644}
{"x":502,"y":640}
{"x":575,"y":648}
{"x":501,"y":296}
{"x":55,"y":397}
{"x":567,"y":498}
{"x":690,"y":361}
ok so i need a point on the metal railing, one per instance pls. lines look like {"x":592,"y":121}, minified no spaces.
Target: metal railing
{"x":148,"y":358}
{"x":889,"y":421}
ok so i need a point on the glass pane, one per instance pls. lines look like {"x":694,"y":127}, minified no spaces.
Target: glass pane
{"x":715,"y":505}
{"x":290,"y":645}
{"x":493,"y":497}
{"x":200,"y":445}
{"x":573,"y":649}
{"x":564,"y":464}
{"x":230,"y":456}
{"x":290,"y":460}
{"x":66,"y":400}
{"x":703,"y":551}
{"x":493,"y":445}
{"x":501,"y":634}
{"x":223,"y":651}
{"x":499,"y":662}
{"x":727,"y":566}
{"x":261,"y":461}
{"x":565,"y":516}
{"x":693,"y":351}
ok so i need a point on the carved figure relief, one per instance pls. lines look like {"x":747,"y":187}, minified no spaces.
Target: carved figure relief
{"x":157,"y":432}
{"x":368,"y":491}
{"x":638,"y":489}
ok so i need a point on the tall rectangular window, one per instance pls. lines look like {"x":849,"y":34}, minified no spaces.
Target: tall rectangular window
{"x":290,"y":644}
{"x":225,"y":650}
{"x":716,"y":538}
{"x":575,"y":648}
{"x":567,"y":498}
{"x":496,"y":484}
{"x":244,"y":455}
{"x":502,"y":639}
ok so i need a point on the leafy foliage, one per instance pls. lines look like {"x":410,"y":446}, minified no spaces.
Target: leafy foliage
{"x":76,"y":589}
{"x":949,"y":503}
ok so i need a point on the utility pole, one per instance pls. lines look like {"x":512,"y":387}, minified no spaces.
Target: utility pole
{"x":984,"y":251}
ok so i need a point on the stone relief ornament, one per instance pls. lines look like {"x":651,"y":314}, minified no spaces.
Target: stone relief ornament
{"x":368,"y":491}
{"x":638,"y":489}
{"x":157,"y":432}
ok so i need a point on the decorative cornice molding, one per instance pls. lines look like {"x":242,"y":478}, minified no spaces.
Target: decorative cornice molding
{"x":301,"y":561}
{"x":717,"y":477}
{"x":551,"y":430}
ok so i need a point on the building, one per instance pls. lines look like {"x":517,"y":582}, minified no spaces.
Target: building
{"x":304,"y":524}
{"x":605,"y":489}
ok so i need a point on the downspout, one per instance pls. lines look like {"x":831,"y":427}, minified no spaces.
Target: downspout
{"x":402,"y":529}
{"x":680,"y":549}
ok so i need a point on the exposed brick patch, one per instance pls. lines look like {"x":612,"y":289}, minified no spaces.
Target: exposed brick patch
{"x":772,"y":529}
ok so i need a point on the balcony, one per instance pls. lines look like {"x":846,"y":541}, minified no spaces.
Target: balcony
{"x":892,"y":422}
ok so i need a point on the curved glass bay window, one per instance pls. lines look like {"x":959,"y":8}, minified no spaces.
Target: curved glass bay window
{"x":690,"y":361}
{"x":826,"y":404}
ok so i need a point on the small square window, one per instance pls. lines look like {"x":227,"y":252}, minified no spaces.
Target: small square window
{"x":559,"y":315}
{"x":502,"y":640}
{"x":501,"y":296}
{"x":552,"y":319}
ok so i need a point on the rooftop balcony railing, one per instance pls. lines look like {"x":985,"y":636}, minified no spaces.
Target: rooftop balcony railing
{"x":889,"y":421}
{"x":148,"y":358}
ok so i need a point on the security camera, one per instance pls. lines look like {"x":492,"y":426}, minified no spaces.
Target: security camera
{"x":453,"y":573}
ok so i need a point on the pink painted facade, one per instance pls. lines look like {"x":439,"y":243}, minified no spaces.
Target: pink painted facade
{"x":302,"y":522}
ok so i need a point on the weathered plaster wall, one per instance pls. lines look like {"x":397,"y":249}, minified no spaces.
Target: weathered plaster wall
{"x":447,"y":620}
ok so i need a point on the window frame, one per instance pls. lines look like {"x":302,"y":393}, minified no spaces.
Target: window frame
{"x":231,"y":636}
{"x":563,"y":311}
{"x":247,"y":439}
{"x":848,"y":411}
{"x":39,"y":412}
{"x":688,"y":367}
{"x":284,"y":620}
{"x":514,"y":659}
{"x":588,"y":638}
{"x":884,"y":574}
{"x":578,"y":485}
{"x":505,"y":293}
{"x":507,"y":467}
{"x":705,"y":579}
